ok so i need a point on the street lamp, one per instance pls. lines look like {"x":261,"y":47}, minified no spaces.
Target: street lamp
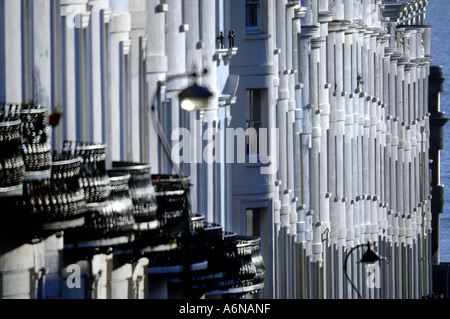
{"x":195,"y":97}
{"x":369,"y":257}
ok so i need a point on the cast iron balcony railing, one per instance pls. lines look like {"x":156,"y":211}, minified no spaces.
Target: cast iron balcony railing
{"x":36,"y":149}
{"x":12,"y":166}
{"x":142,"y":192}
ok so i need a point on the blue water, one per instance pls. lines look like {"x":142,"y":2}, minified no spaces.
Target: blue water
{"x":437,"y":17}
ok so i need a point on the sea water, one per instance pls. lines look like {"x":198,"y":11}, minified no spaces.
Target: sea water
{"x":437,"y":17}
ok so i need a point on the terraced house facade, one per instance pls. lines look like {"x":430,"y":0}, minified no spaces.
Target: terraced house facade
{"x":328,"y":104}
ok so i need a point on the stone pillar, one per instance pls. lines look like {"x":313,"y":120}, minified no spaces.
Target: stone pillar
{"x":208,"y":37}
{"x":282,"y":108}
{"x":408,"y":183}
{"x":427,"y":212}
{"x":317,"y":247}
{"x":305,"y":56}
{"x":379,"y":120}
{"x":350,"y":158}
{"x":333,"y":27}
{"x":53,"y":261}
{"x":21,"y":270}
{"x":339,"y":9}
{"x":372,"y":112}
{"x":40,"y":75}
{"x":129,"y":277}
{"x":176,"y":56}
{"x":72,"y":13}
{"x":100,"y":16}
{"x":117,"y":119}
{"x":11,"y":51}
{"x":156,"y":68}
{"x":367,"y":11}
{"x":336,"y":276}
{"x":290,"y":14}
{"x":315,"y":149}
{"x":401,"y":147}
{"x":354,"y":93}
{"x":340,"y":133}
{"x":298,"y":130}
{"x":325,"y":17}
{"x":394,"y":146}
{"x":359,"y":132}
{"x":138,"y":98}
{"x":388,"y":139}
{"x":349,"y":164}
{"x":324,"y":109}
{"x":366,"y":171}
{"x":312,"y":12}
{"x":349,"y":10}
{"x":401,"y":182}
{"x":193,"y":58}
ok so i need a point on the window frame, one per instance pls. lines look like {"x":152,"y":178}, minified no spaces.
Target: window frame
{"x":254,"y":28}
{"x":254,"y":159}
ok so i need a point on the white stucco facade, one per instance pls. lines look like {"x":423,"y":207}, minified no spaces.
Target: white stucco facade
{"x":344,"y":84}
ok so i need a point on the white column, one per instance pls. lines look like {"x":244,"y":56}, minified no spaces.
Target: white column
{"x":401,"y":182}
{"x":118,"y":114}
{"x":83,"y":66}
{"x":70,"y":23}
{"x":324,"y":108}
{"x":401,"y":148}
{"x":100,"y":14}
{"x":387,"y":141}
{"x":41,"y":72}
{"x":361,"y":143}
{"x":298,"y":166}
{"x":339,"y":9}
{"x":349,"y":163}
{"x":372,"y":139}
{"x":315,"y":150}
{"x":355,"y":92}
{"x":193,"y":58}
{"x":11,"y":51}
{"x":407,"y":177}
{"x":349,"y":192}
{"x":393,"y":124}
{"x":367,"y":76}
{"x":349,"y":10}
{"x":176,"y":57}
{"x":334,"y":213}
{"x":317,"y":248}
{"x":367,"y":11}
{"x":290,"y":13}
{"x":156,"y":68}
{"x":282,"y":109}
{"x":312,"y":12}
{"x":208,"y":37}
{"x":305,"y":55}
{"x":340,"y":133}
{"x":54,"y":246}
{"x":137,"y":79}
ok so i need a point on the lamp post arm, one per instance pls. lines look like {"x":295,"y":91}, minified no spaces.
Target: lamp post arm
{"x":165,"y":143}
{"x":170,"y":78}
{"x":345,"y":268}
{"x":158,"y":126}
